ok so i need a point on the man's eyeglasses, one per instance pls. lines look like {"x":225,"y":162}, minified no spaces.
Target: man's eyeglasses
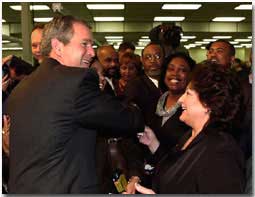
{"x":151,"y":57}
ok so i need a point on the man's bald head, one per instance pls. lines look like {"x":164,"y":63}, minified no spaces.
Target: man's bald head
{"x":108,"y":58}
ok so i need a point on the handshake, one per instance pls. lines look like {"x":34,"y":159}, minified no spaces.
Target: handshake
{"x":133,"y":186}
{"x":149,"y":139}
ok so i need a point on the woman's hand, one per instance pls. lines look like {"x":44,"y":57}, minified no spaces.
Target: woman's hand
{"x":143,"y":190}
{"x":5,"y":134}
{"x":149,"y":138}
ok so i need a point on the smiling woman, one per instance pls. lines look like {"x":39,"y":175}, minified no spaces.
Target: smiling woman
{"x":174,"y":79}
{"x":207,"y":159}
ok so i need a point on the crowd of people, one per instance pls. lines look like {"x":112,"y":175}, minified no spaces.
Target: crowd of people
{"x":83,"y":121}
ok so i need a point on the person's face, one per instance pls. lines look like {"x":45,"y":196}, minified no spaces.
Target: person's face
{"x":177,"y":73}
{"x":219,"y":53}
{"x":152,"y":60}
{"x":128,"y":70}
{"x":36,"y":37}
{"x":193,"y":110}
{"x":109,"y":60}
{"x":79,"y":52}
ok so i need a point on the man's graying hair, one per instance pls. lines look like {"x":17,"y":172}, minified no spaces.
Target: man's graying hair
{"x":61,"y":28}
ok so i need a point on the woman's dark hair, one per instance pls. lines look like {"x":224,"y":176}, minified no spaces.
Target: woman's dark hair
{"x":184,"y":56}
{"x":219,"y":90}
{"x":126,"y":45}
{"x":133,"y":58}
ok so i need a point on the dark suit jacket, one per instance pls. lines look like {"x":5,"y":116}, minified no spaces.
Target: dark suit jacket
{"x":145,"y":94}
{"x":212,"y":164}
{"x":172,"y":131}
{"x":55,"y":113}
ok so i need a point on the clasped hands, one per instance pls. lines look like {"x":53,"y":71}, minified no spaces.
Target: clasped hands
{"x":148,"y":138}
{"x":133,"y":186}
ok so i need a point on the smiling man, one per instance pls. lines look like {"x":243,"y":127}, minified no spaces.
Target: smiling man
{"x":221,"y":52}
{"x":56,"y":112}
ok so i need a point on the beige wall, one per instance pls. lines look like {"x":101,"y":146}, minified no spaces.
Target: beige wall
{"x":16,"y":53}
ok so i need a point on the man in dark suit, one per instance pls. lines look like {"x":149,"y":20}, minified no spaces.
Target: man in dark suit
{"x":108,"y":58}
{"x":55,"y":113}
{"x":223,"y":52}
{"x":144,"y":90}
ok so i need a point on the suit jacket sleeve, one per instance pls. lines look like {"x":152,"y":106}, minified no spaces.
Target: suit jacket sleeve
{"x":95,"y":109}
{"x":132,"y":94}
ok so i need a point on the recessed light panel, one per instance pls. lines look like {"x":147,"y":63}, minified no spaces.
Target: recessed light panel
{"x":32,"y":7}
{"x":169,"y":18}
{"x":109,"y":19}
{"x":41,"y":20}
{"x":181,"y":6}
{"x":228,"y":19}
{"x":106,"y":6}
{"x":244,"y":7}
{"x":222,"y":37}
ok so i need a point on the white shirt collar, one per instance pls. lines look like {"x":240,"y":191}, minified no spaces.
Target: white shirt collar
{"x":155,"y":81}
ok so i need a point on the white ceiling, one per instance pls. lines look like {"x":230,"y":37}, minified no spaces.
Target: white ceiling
{"x":138,"y":20}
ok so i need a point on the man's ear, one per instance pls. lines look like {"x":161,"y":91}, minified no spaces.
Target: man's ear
{"x":57,"y":46}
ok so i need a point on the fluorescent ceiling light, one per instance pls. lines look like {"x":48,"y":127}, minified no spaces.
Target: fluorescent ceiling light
{"x":202,"y":47}
{"x":114,"y":40}
{"x":238,"y":46}
{"x":113,"y":37}
{"x":145,"y":37}
{"x":142,"y":43}
{"x":184,"y":40}
{"x":209,"y":40}
{"x":12,"y":48}
{"x":192,"y":45}
{"x":169,"y":18}
{"x":244,"y":7}
{"x":115,"y":46}
{"x":246,"y":45}
{"x":222,"y":37}
{"x":233,"y":42}
{"x":243,"y":40}
{"x":250,"y":37}
{"x":3,"y":21}
{"x":144,"y":40}
{"x":94,"y":46}
{"x":43,"y":19}
{"x":32,"y":7}
{"x":188,"y":37}
{"x":106,"y":6}
{"x":6,"y":41}
{"x":139,"y":47}
{"x":181,"y":6}
{"x":202,"y":42}
{"x":108,"y":18}
{"x":228,"y":19}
